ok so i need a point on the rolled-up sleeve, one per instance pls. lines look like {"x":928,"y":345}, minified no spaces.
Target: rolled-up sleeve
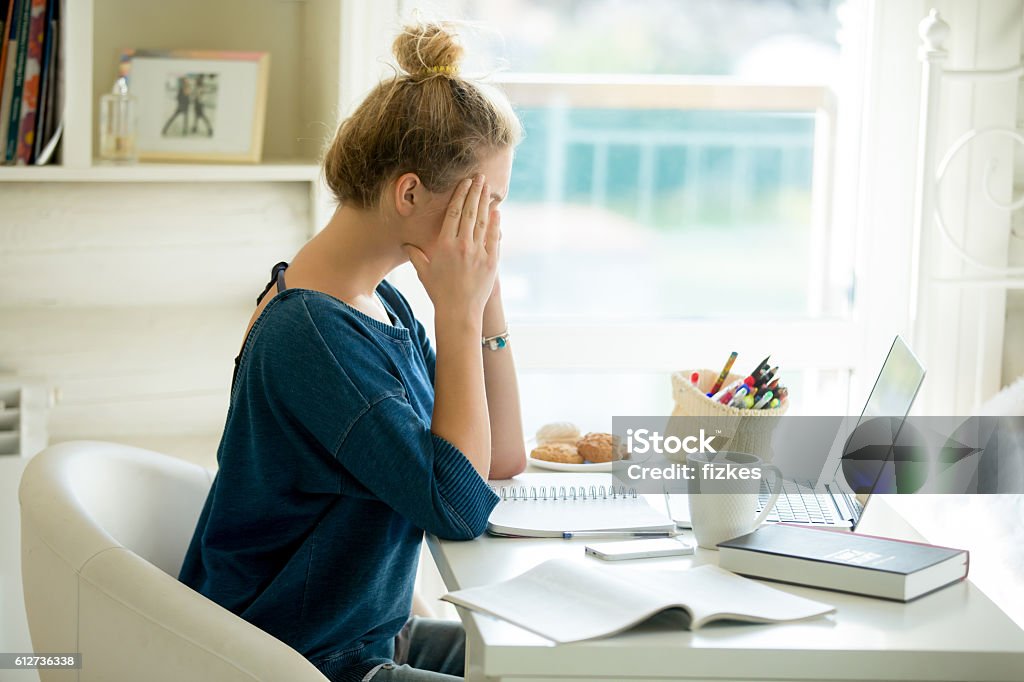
{"x":391,"y":451}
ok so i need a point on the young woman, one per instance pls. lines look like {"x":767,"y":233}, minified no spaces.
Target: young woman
{"x":347,"y":437}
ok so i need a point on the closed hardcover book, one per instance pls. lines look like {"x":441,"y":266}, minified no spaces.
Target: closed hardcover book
{"x":8,"y":8}
{"x":50,"y":126}
{"x":32,"y":82}
{"x":19,"y":52}
{"x":842,"y":561}
{"x":7,"y":60}
{"x":46,"y":79}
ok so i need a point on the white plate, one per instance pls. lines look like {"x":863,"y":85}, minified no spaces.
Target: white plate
{"x":562,"y":466}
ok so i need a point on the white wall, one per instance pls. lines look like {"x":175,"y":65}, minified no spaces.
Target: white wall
{"x":1013,"y":346}
{"x":130,"y":300}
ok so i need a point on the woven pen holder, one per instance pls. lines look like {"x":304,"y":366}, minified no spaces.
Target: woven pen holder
{"x":748,"y":430}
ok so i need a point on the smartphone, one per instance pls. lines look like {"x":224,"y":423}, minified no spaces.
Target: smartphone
{"x":640,"y":549}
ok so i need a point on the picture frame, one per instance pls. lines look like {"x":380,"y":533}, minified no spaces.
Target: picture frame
{"x":184,"y":99}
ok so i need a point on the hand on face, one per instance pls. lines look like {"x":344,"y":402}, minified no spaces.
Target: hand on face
{"x":460,"y":271}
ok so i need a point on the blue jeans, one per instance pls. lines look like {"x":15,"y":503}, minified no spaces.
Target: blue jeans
{"x":426,"y":650}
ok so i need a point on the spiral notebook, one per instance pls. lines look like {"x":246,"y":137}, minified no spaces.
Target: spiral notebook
{"x":549,"y":505}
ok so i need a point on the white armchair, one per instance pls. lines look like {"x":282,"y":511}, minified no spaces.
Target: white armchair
{"x":104,"y":529}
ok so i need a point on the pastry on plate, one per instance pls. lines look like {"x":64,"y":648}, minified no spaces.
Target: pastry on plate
{"x":563,"y":453}
{"x":558,"y":432}
{"x":597,"y":447}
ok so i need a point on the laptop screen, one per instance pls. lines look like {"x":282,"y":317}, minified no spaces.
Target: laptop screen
{"x":896,"y":386}
{"x":866,"y":463}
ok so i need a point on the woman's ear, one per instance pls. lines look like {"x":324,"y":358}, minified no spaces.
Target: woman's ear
{"x":408,"y":194}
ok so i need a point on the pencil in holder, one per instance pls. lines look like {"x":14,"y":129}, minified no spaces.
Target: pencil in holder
{"x":744,"y":430}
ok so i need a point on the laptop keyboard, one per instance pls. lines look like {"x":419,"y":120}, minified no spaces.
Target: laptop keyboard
{"x":798,"y":504}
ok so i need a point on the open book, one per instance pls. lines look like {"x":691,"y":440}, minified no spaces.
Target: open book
{"x":567,"y":600}
{"x":548,"y":505}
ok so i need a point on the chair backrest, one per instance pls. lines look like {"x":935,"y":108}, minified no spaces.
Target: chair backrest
{"x":104,"y":530}
{"x":95,"y":495}
{"x":146,"y":501}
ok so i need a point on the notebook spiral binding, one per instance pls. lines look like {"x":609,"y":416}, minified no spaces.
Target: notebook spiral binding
{"x":572,"y":492}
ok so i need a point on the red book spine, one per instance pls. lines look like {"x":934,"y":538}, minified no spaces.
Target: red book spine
{"x":8,"y":18}
{"x":30,"y":89}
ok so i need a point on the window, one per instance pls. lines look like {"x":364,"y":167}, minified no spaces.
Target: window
{"x":631,"y":210}
{"x":671,"y":199}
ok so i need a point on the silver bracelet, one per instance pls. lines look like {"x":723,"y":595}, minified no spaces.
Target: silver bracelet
{"x":495,"y":342}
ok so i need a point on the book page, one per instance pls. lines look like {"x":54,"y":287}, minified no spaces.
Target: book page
{"x":567,"y":600}
{"x":563,"y":600}
{"x":712,"y":593}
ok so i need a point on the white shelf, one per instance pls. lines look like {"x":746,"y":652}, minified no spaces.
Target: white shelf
{"x":303,"y":39}
{"x":282,"y":171}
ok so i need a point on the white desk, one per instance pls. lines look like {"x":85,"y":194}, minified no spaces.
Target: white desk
{"x":954,"y":634}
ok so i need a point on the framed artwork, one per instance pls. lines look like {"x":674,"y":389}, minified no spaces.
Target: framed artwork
{"x":198,"y":105}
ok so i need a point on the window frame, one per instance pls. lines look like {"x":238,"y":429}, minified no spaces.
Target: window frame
{"x":812,"y":343}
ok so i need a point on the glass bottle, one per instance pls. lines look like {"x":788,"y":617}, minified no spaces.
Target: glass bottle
{"x":118,"y":123}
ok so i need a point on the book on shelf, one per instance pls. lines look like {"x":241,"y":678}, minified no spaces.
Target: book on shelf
{"x":10,"y":59}
{"x":550,"y":505}
{"x":32,"y":82}
{"x":844,"y":561}
{"x":20,"y":57}
{"x":568,"y":600}
{"x":44,"y":119}
{"x":7,"y":9}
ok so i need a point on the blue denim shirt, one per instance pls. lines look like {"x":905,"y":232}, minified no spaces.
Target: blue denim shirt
{"x":328,"y":475}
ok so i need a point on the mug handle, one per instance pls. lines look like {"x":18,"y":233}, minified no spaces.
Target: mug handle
{"x":771,"y":500}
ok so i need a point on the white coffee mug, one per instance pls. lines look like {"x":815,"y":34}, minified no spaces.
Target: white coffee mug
{"x":722,"y":494}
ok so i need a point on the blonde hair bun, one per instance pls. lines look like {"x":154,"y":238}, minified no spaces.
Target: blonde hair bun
{"x":431,"y":122}
{"x":428,"y":48}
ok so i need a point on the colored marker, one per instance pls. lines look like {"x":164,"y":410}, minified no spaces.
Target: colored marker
{"x":737,"y":399}
{"x":739,"y":392}
{"x":721,"y":394}
{"x":695,"y":378}
{"x":748,"y":402}
{"x":725,"y":372}
{"x":763,"y":400}
{"x":774,"y":403}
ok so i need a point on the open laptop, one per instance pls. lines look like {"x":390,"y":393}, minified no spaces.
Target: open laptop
{"x":845,"y":474}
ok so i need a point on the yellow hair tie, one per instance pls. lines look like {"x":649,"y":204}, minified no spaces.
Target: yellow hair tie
{"x":449,"y":69}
